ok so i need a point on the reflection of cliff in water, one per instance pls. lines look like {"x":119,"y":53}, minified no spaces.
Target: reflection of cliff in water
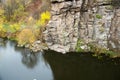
{"x":29,"y":58}
{"x":20,"y":64}
{"x":2,"y":42}
{"x":75,"y":66}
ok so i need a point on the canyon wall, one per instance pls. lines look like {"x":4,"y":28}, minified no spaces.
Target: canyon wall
{"x":87,"y":25}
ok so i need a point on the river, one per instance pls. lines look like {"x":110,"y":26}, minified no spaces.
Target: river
{"x":21,"y":64}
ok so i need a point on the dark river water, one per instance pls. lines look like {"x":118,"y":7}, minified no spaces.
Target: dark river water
{"x":21,"y":64}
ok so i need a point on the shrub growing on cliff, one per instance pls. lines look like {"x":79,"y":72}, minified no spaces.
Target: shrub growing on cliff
{"x":78,"y":46}
{"x":98,"y":16}
{"x":11,"y":28}
{"x":2,"y":31}
{"x":44,"y":18}
{"x":26,"y":36}
{"x":2,"y":20}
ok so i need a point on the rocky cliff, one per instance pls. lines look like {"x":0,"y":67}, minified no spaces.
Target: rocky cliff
{"x":84,"y":25}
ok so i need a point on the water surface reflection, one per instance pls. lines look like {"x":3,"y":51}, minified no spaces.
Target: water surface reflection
{"x":21,"y":64}
{"x":76,"y":66}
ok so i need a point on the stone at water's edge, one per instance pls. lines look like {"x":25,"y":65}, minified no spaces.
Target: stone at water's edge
{"x":83,"y":20}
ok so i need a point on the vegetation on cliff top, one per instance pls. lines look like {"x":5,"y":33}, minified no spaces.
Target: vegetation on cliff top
{"x":18,"y":22}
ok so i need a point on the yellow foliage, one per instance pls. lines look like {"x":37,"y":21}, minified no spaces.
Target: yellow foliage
{"x":30,"y":22}
{"x":19,"y":13}
{"x":30,"y":18}
{"x":1,"y":12}
{"x":1,"y":20}
{"x":2,"y":29}
{"x":26,"y":36}
{"x":14,"y":10}
{"x":2,"y":17}
{"x":15,"y":26}
{"x":44,"y":17}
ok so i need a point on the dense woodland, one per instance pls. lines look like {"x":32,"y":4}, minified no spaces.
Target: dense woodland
{"x":23,"y":20}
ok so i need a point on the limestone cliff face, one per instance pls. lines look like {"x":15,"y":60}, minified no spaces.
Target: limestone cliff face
{"x":93,"y":22}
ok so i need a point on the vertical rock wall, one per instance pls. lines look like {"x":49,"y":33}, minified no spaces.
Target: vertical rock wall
{"x":114,"y":38}
{"x":93,"y":22}
{"x":62,"y":30}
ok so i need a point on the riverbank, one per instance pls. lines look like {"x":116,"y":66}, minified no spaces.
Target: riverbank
{"x":67,"y":26}
{"x":40,"y":47}
{"x":22,"y":64}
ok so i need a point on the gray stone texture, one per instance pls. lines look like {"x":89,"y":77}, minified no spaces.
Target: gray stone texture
{"x":92,"y":21}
